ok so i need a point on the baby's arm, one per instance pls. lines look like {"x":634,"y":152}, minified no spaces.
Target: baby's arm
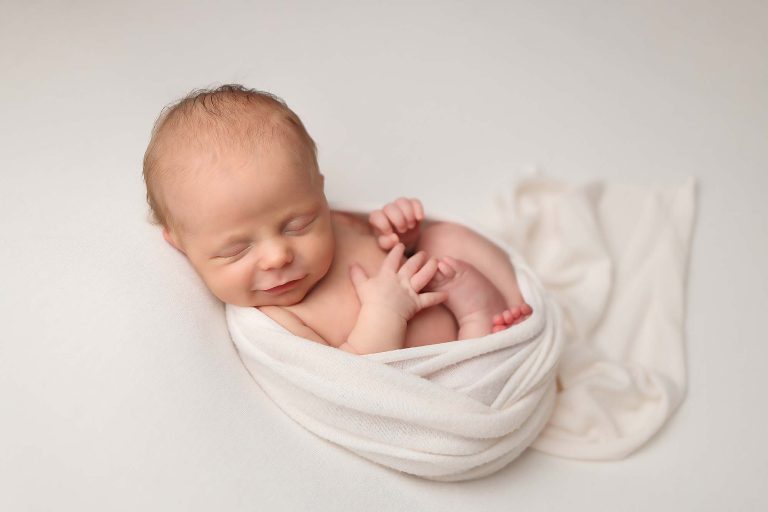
{"x":389,"y":299}
{"x":398,"y":221}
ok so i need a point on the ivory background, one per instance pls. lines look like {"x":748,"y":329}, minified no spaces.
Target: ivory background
{"x":119,"y":387}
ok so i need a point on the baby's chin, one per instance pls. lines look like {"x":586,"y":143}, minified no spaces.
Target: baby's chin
{"x":283,"y":300}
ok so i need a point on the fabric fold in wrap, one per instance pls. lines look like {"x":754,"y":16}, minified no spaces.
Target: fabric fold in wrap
{"x":450,"y":411}
{"x":464,"y":409}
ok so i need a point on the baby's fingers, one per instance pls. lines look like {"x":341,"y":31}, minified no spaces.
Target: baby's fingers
{"x":378,"y":220}
{"x":418,"y":209}
{"x":357,"y":274}
{"x":424,"y":275}
{"x":413,"y":264}
{"x":387,"y":242}
{"x":392,"y":261}
{"x":407,"y":208}
{"x":397,"y":217}
{"x":429,"y":299}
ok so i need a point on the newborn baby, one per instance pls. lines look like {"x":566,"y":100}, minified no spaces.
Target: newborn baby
{"x":232,"y":178}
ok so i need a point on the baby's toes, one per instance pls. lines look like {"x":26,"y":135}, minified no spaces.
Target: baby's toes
{"x":522,"y":313}
{"x":510,"y":315}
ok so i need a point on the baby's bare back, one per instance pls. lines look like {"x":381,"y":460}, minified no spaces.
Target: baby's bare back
{"x":331,"y":307}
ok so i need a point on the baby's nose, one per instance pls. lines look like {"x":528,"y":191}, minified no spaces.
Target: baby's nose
{"x":275,"y":254}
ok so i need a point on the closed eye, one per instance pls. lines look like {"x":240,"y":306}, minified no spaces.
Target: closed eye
{"x":234,"y":251}
{"x":299,"y":225}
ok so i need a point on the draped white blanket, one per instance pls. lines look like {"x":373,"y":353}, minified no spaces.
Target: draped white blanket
{"x":603,"y":267}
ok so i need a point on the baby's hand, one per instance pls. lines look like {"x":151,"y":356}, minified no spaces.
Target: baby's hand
{"x":398,"y":221}
{"x":397,"y":291}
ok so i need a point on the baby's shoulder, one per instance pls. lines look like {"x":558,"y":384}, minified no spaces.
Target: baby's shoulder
{"x":354,"y":222}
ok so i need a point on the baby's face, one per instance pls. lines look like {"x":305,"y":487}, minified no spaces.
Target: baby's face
{"x":250,"y":230}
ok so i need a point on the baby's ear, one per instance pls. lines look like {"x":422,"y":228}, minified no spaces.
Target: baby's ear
{"x":170,"y":239}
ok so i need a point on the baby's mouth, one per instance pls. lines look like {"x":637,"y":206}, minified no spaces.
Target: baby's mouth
{"x":283,"y":287}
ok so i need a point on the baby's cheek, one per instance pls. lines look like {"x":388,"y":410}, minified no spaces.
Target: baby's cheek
{"x":232,"y":284}
{"x":318,"y":247}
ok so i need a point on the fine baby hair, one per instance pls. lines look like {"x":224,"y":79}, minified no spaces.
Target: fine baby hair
{"x":228,"y":116}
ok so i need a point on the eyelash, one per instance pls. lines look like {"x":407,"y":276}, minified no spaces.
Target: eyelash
{"x":299,"y":230}
{"x":238,"y":253}
{"x":302,"y":228}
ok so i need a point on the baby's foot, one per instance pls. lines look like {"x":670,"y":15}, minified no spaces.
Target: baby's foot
{"x":511,"y":316}
{"x":472,"y":298}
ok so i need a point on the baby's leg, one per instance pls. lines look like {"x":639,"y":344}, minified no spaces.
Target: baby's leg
{"x":446,"y":239}
{"x":472,"y":298}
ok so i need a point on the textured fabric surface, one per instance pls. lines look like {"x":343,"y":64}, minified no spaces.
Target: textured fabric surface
{"x":612,"y":258}
{"x":615,"y":258}
{"x":451,"y":411}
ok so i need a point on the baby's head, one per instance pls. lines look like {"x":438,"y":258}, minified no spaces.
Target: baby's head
{"x":232,"y":179}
